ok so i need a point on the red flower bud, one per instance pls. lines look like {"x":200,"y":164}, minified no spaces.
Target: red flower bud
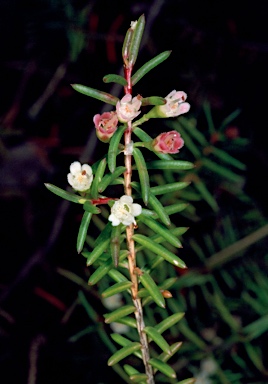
{"x":106,"y":125}
{"x":168,"y":142}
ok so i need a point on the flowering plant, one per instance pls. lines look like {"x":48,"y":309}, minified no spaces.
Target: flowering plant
{"x":123,"y":236}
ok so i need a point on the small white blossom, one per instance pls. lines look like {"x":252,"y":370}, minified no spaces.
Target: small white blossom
{"x":113,"y":302}
{"x":128,"y":108}
{"x":129,"y":148}
{"x":123,"y":211}
{"x":175,"y":104}
{"x":80,"y":176}
{"x":133,"y":24}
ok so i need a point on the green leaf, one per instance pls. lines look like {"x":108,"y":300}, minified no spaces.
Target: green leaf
{"x":112,"y":78}
{"x":156,"y":205}
{"x":204,"y":192}
{"x":147,"y":67}
{"x":161,"y":230}
{"x":100,"y":272}
{"x":169,"y":188}
{"x":108,"y":179}
{"x":163,"y":367}
{"x":115,"y":244}
{"x":116,"y":288}
{"x":123,"y":352}
{"x":157,"y":338}
{"x":152,"y":288}
{"x":89,"y":207}
{"x":159,"y":250}
{"x":113,"y":148}
{"x":136,"y":40}
{"x":104,"y":235}
{"x":143,"y":175}
{"x":118,"y":313}
{"x":97,"y":252}
{"x":170,"y":164}
{"x":153,"y":100}
{"x":97,"y":178}
{"x":139,"y":378}
{"x":173,"y":349}
{"x":81,"y":237}
{"x":175,"y":208}
{"x":224,"y":156}
{"x":117,"y":276}
{"x":169,"y":322}
{"x":222,"y":171}
{"x":129,"y":321}
{"x":124,"y":342}
{"x":192,"y":380}
{"x":99,"y":95}
{"x":65,"y":195}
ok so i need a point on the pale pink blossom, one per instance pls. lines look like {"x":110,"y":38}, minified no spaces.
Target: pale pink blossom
{"x":128,"y":108}
{"x":124,"y":211}
{"x":168,"y":142}
{"x":106,"y":125}
{"x":80,"y":176}
{"x":175,"y":104}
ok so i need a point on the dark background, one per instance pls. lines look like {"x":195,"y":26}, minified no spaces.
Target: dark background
{"x":219,"y":55}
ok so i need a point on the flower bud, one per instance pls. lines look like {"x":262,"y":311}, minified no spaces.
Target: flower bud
{"x":168,"y":142}
{"x":106,"y":125}
{"x":127,"y":108}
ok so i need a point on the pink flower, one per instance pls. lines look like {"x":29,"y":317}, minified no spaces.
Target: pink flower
{"x":175,"y":104}
{"x":168,"y":142}
{"x":106,"y":125}
{"x":127,"y":108}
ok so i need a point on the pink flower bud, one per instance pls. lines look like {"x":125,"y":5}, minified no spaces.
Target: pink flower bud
{"x":127,"y":108}
{"x":106,"y":125}
{"x":168,"y":142}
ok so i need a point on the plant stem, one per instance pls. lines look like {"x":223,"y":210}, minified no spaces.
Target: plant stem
{"x":132,"y":253}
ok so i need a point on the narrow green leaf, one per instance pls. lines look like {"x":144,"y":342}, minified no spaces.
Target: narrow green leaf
{"x":112,"y":78}
{"x":97,"y":178}
{"x":97,"y":252}
{"x":124,"y":342}
{"x":147,"y":67}
{"x":143,"y":174}
{"x":123,"y":352}
{"x":157,"y":338}
{"x":116,"y":288}
{"x":113,"y":148}
{"x":89,"y":207}
{"x":170,"y":164}
{"x":81,"y":237}
{"x":169,"y":322}
{"x":129,"y":321}
{"x":104,"y":235}
{"x":100,"y":272}
{"x":173,"y":349}
{"x":229,"y":119}
{"x":224,"y":156}
{"x":204,"y":192}
{"x":117,"y":276}
{"x":159,"y":250}
{"x":136,"y":40}
{"x":96,"y":94}
{"x":192,"y":380}
{"x":222,"y":171}
{"x":130,"y":370}
{"x":163,"y":367}
{"x":65,"y":195}
{"x":108,"y":179}
{"x":156,"y":205}
{"x":115,"y":244}
{"x":175,"y":208}
{"x":153,"y":100}
{"x":139,"y":378}
{"x":152,"y":288}
{"x":161,"y":230}
{"x":169,"y":188}
{"x":118,"y":313}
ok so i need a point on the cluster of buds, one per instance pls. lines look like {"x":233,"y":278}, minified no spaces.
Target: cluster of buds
{"x":128,"y":108}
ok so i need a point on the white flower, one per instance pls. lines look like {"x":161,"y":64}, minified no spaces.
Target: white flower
{"x":175,"y":104}
{"x":127,"y":108}
{"x":123,"y":211}
{"x":113,"y":302}
{"x":80,"y":177}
